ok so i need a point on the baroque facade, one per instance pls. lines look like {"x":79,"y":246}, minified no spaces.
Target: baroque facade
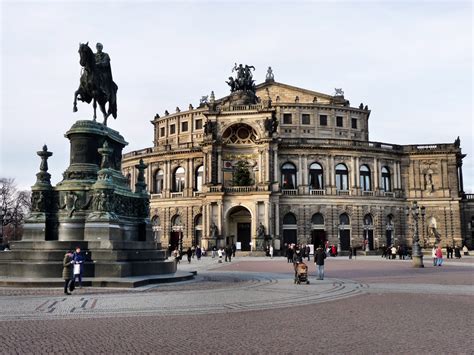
{"x":274,"y":163}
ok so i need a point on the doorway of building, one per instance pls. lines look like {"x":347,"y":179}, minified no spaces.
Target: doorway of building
{"x":289,"y":236}
{"x":238,"y":227}
{"x":175,"y":237}
{"x":243,"y":236}
{"x":318,"y":238}
{"x":370,"y":234}
{"x":388,"y":235}
{"x":345,"y":239}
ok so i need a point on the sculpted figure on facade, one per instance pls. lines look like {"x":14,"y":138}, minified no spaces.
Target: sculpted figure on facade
{"x":213,"y":231}
{"x":261,"y":231}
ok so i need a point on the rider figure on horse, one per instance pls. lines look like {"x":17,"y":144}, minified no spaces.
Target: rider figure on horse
{"x":102,"y":62}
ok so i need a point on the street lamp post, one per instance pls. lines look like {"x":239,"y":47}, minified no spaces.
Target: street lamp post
{"x":417,"y":255}
{"x":366,"y":237}
{"x":340,"y":227}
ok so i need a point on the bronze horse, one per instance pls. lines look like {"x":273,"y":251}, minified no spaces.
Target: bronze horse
{"x":94,"y":86}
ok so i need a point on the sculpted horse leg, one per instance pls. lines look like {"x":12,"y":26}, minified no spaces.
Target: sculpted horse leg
{"x":74,"y":107}
{"x":104,"y":112}
{"x":94,"y":104}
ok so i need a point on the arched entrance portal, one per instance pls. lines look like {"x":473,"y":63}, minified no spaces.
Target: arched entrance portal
{"x":197,"y":230}
{"x":239,"y":227}
{"x":318,"y":234}
{"x":176,"y":235}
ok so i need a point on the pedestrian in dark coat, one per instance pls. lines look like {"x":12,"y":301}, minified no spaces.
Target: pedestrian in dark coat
{"x":78,"y":266}
{"x":189,"y":252}
{"x":234,"y":248}
{"x":198,"y":253}
{"x":228,"y":253}
{"x":319,"y":257}
{"x":67,"y":272}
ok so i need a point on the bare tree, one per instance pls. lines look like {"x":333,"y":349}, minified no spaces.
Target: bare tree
{"x":14,"y":207}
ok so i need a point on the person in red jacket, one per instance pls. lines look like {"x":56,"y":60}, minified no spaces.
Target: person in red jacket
{"x":439,"y":256}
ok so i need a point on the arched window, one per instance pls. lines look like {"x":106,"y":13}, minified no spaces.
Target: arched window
{"x":316,"y":176}
{"x":199,"y":178}
{"x":288,"y":176}
{"x":176,"y":221}
{"x":342,"y":177}
{"x":368,"y":221}
{"x":365,"y":183}
{"x":317,"y":219}
{"x":289,"y":218}
{"x":178,"y":179}
{"x":158,"y":182}
{"x":386,"y":181}
{"x":344,"y":219}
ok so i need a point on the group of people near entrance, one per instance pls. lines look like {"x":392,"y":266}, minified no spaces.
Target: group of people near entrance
{"x":391,"y":252}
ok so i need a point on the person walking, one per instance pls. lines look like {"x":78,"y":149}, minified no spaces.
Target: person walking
{"x":394,"y":252}
{"x":439,"y":256}
{"x":308,"y":251}
{"x":228,"y":253}
{"x":271,"y":251}
{"x":213,"y":254}
{"x":433,"y":255}
{"x":234,"y":248}
{"x":78,"y":266}
{"x":67,"y":273}
{"x":319,"y":257}
{"x":457,"y":252}
{"x":189,"y":253}
{"x":220,"y":252}
{"x":198,"y":252}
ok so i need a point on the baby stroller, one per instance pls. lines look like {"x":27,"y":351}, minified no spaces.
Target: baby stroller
{"x":301,"y":273}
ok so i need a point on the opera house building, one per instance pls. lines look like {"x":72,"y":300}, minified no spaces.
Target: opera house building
{"x":274,"y":163}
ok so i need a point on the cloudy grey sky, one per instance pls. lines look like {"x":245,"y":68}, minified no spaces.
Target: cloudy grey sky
{"x":410,"y":61}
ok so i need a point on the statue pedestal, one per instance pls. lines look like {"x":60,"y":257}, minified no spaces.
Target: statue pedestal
{"x":92,"y":208}
{"x":418,"y":261}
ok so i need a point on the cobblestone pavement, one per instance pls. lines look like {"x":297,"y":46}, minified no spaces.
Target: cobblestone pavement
{"x":251,"y":305}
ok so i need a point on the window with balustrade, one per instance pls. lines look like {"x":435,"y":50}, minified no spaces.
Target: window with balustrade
{"x":386,"y":180}
{"x":179,"y":177}
{"x":316,"y":176}
{"x":199,"y":178}
{"x":158,"y":182}
{"x":365,"y":181}
{"x":342,"y":177}
{"x":288,"y":176}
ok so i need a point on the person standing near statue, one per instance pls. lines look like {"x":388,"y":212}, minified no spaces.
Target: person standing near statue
{"x":67,"y":273}
{"x":78,"y":267}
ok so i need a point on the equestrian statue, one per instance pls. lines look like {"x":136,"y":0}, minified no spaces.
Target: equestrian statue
{"x":96,"y":83}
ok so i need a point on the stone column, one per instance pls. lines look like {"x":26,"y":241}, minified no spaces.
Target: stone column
{"x":276,"y":166}
{"x":376,"y":175}
{"x":300,"y":172}
{"x":277,"y":225}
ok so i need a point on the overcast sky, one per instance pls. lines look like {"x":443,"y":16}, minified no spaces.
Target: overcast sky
{"x":410,"y":61}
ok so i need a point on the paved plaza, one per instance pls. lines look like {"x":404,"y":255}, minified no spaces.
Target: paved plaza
{"x":251,"y":305}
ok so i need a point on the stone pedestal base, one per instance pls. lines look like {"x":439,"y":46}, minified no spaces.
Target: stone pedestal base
{"x":418,"y":261}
